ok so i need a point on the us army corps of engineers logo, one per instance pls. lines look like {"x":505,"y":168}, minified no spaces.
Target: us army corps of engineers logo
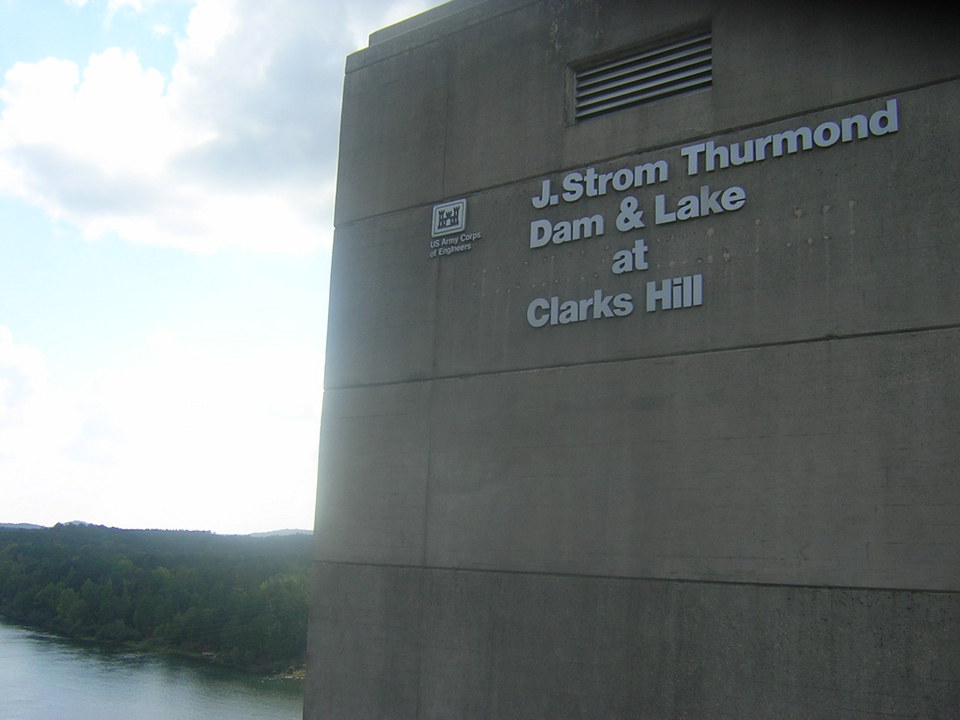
{"x":448,"y":229}
{"x":450,"y":217}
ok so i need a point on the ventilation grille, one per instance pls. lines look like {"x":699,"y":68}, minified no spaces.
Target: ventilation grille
{"x":674,"y":69}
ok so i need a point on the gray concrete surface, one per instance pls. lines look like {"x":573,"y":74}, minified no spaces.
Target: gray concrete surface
{"x":830,"y":462}
{"x":744,"y":508}
{"x":403,"y":642}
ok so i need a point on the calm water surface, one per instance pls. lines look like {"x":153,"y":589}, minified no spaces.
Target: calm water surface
{"x":45,"y":678}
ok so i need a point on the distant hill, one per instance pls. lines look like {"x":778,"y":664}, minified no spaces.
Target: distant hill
{"x":234,"y":599}
{"x":276,"y":533}
{"x":81,"y":523}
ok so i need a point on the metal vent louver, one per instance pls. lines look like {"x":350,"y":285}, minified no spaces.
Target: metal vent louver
{"x":643,"y":77}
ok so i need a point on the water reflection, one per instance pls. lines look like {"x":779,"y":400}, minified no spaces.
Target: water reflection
{"x":44,"y":677}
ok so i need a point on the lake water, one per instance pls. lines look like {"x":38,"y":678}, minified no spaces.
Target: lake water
{"x":42,"y":678}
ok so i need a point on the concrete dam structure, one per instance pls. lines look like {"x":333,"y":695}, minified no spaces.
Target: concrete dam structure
{"x":642,"y":389}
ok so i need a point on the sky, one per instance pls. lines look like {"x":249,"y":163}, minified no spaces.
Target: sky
{"x":167,"y":176}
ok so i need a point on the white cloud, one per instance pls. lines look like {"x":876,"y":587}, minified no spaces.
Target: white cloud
{"x":34,"y":424}
{"x":114,"y":119}
{"x":204,"y":428}
{"x":210,"y":22}
{"x":160,"y":440}
{"x":236,"y":148}
{"x":23,"y":375}
{"x":137,"y":5}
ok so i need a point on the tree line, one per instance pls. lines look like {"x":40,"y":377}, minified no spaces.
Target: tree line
{"x":238,"y":600}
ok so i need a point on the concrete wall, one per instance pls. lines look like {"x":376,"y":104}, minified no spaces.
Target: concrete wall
{"x":403,"y":642}
{"x":748,"y":508}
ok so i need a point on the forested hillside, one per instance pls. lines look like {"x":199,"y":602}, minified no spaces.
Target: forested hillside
{"x":239,"y":600}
